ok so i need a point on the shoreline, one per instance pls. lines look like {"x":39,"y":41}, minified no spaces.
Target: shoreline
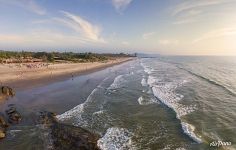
{"x":26,"y":78}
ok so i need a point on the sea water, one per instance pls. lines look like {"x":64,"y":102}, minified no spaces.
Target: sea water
{"x":179,"y":103}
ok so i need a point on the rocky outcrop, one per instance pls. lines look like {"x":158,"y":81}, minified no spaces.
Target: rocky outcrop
{"x":67,"y":136}
{"x":6,"y":92}
{"x":14,"y":116}
{"x":3,"y":126}
{"x":60,"y":135}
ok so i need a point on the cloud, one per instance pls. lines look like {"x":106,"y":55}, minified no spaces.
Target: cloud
{"x":42,"y":38}
{"x":192,"y":10}
{"x":11,"y":38}
{"x":193,"y":4}
{"x":121,"y":5}
{"x":148,"y":35}
{"x":168,"y":42}
{"x":84,"y":33}
{"x":30,"y":5}
{"x":87,"y":30}
{"x":184,"y":21}
{"x":125,"y":43}
{"x":216,"y":34}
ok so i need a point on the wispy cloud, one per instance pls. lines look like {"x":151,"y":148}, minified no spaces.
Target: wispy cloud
{"x":121,"y":5}
{"x":193,"y":4}
{"x":30,"y":5}
{"x":148,"y":35}
{"x":184,"y":21}
{"x":42,"y":38}
{"x":86,"y":29}
{"x":11,"y":37}
{"x":216,"y":34}
{"x":191,"y":11}
{"x":84,"y":33}
{"x":125,"y":43}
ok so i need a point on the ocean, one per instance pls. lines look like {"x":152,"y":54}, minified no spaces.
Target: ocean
{"x":166,"y":103}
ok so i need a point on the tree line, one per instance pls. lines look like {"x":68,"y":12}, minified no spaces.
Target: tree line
{"x":56,"y":56}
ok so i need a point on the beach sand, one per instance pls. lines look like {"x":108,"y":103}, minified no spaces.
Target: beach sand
{"x":28,"y":75}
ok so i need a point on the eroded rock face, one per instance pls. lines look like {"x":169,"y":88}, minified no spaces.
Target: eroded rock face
{"x":47,"y":118}
{"x":3,"y":123}
{"x":7,"y":91}
{"x":73,"y":138}
{"x":68,"y":136}
{"x":3,"y":126}
{"x":13,"y":115}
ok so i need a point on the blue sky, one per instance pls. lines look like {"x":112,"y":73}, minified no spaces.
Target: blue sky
{"x":178,"y":27}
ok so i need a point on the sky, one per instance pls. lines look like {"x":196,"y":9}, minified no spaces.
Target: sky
{"x":169,"y":27}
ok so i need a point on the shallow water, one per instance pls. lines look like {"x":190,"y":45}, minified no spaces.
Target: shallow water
{"x":152,"y":103}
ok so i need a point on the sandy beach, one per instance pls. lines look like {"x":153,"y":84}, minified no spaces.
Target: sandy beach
{"x":32,"y":74}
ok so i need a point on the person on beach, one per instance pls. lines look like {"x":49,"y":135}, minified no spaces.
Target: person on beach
{"x":72,"y":76}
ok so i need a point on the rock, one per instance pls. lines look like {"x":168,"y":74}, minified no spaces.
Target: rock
{"x":73,"y":138}
{"x":3,"y":126}
{"x":11,"y":110}
{"x":2,"y":134}
{"x":47,"y":118}
{"x":68,"y":136}
{"x":13,"y":115}
{"x":3,"y":123}
{"x":7,"y":91}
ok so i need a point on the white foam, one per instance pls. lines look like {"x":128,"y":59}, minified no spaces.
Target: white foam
{"x":77,"y":111}
{"x":165,"y":92}
{"x":79,"y":114}
{"x":151,"y":81}
{"x":14,"y":132}
{"x":116,"y":139}
{"x":98,"y":112}
{"x":117,"y":82}
{"x":170,"y":99}
{"x":146,"y":101}
{"x":146,"y":68}
{"x":180,"y":148}
{"x":144,"y":82}
{"x":189,"y":130}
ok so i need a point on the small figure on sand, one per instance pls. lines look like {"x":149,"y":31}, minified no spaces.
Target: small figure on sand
{"x":72,"y":76}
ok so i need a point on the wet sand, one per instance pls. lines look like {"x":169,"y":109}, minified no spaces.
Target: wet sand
{"x":57,"y":97}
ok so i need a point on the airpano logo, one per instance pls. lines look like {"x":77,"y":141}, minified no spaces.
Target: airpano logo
{"x":219,"y":143}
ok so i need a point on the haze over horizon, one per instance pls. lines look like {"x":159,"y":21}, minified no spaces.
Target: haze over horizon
{"x":172,"y":27}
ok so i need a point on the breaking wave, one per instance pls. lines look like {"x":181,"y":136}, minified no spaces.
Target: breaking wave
{"x":116,"y":139}
{"x":209,"y":81}
{"x":165,"y":92}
